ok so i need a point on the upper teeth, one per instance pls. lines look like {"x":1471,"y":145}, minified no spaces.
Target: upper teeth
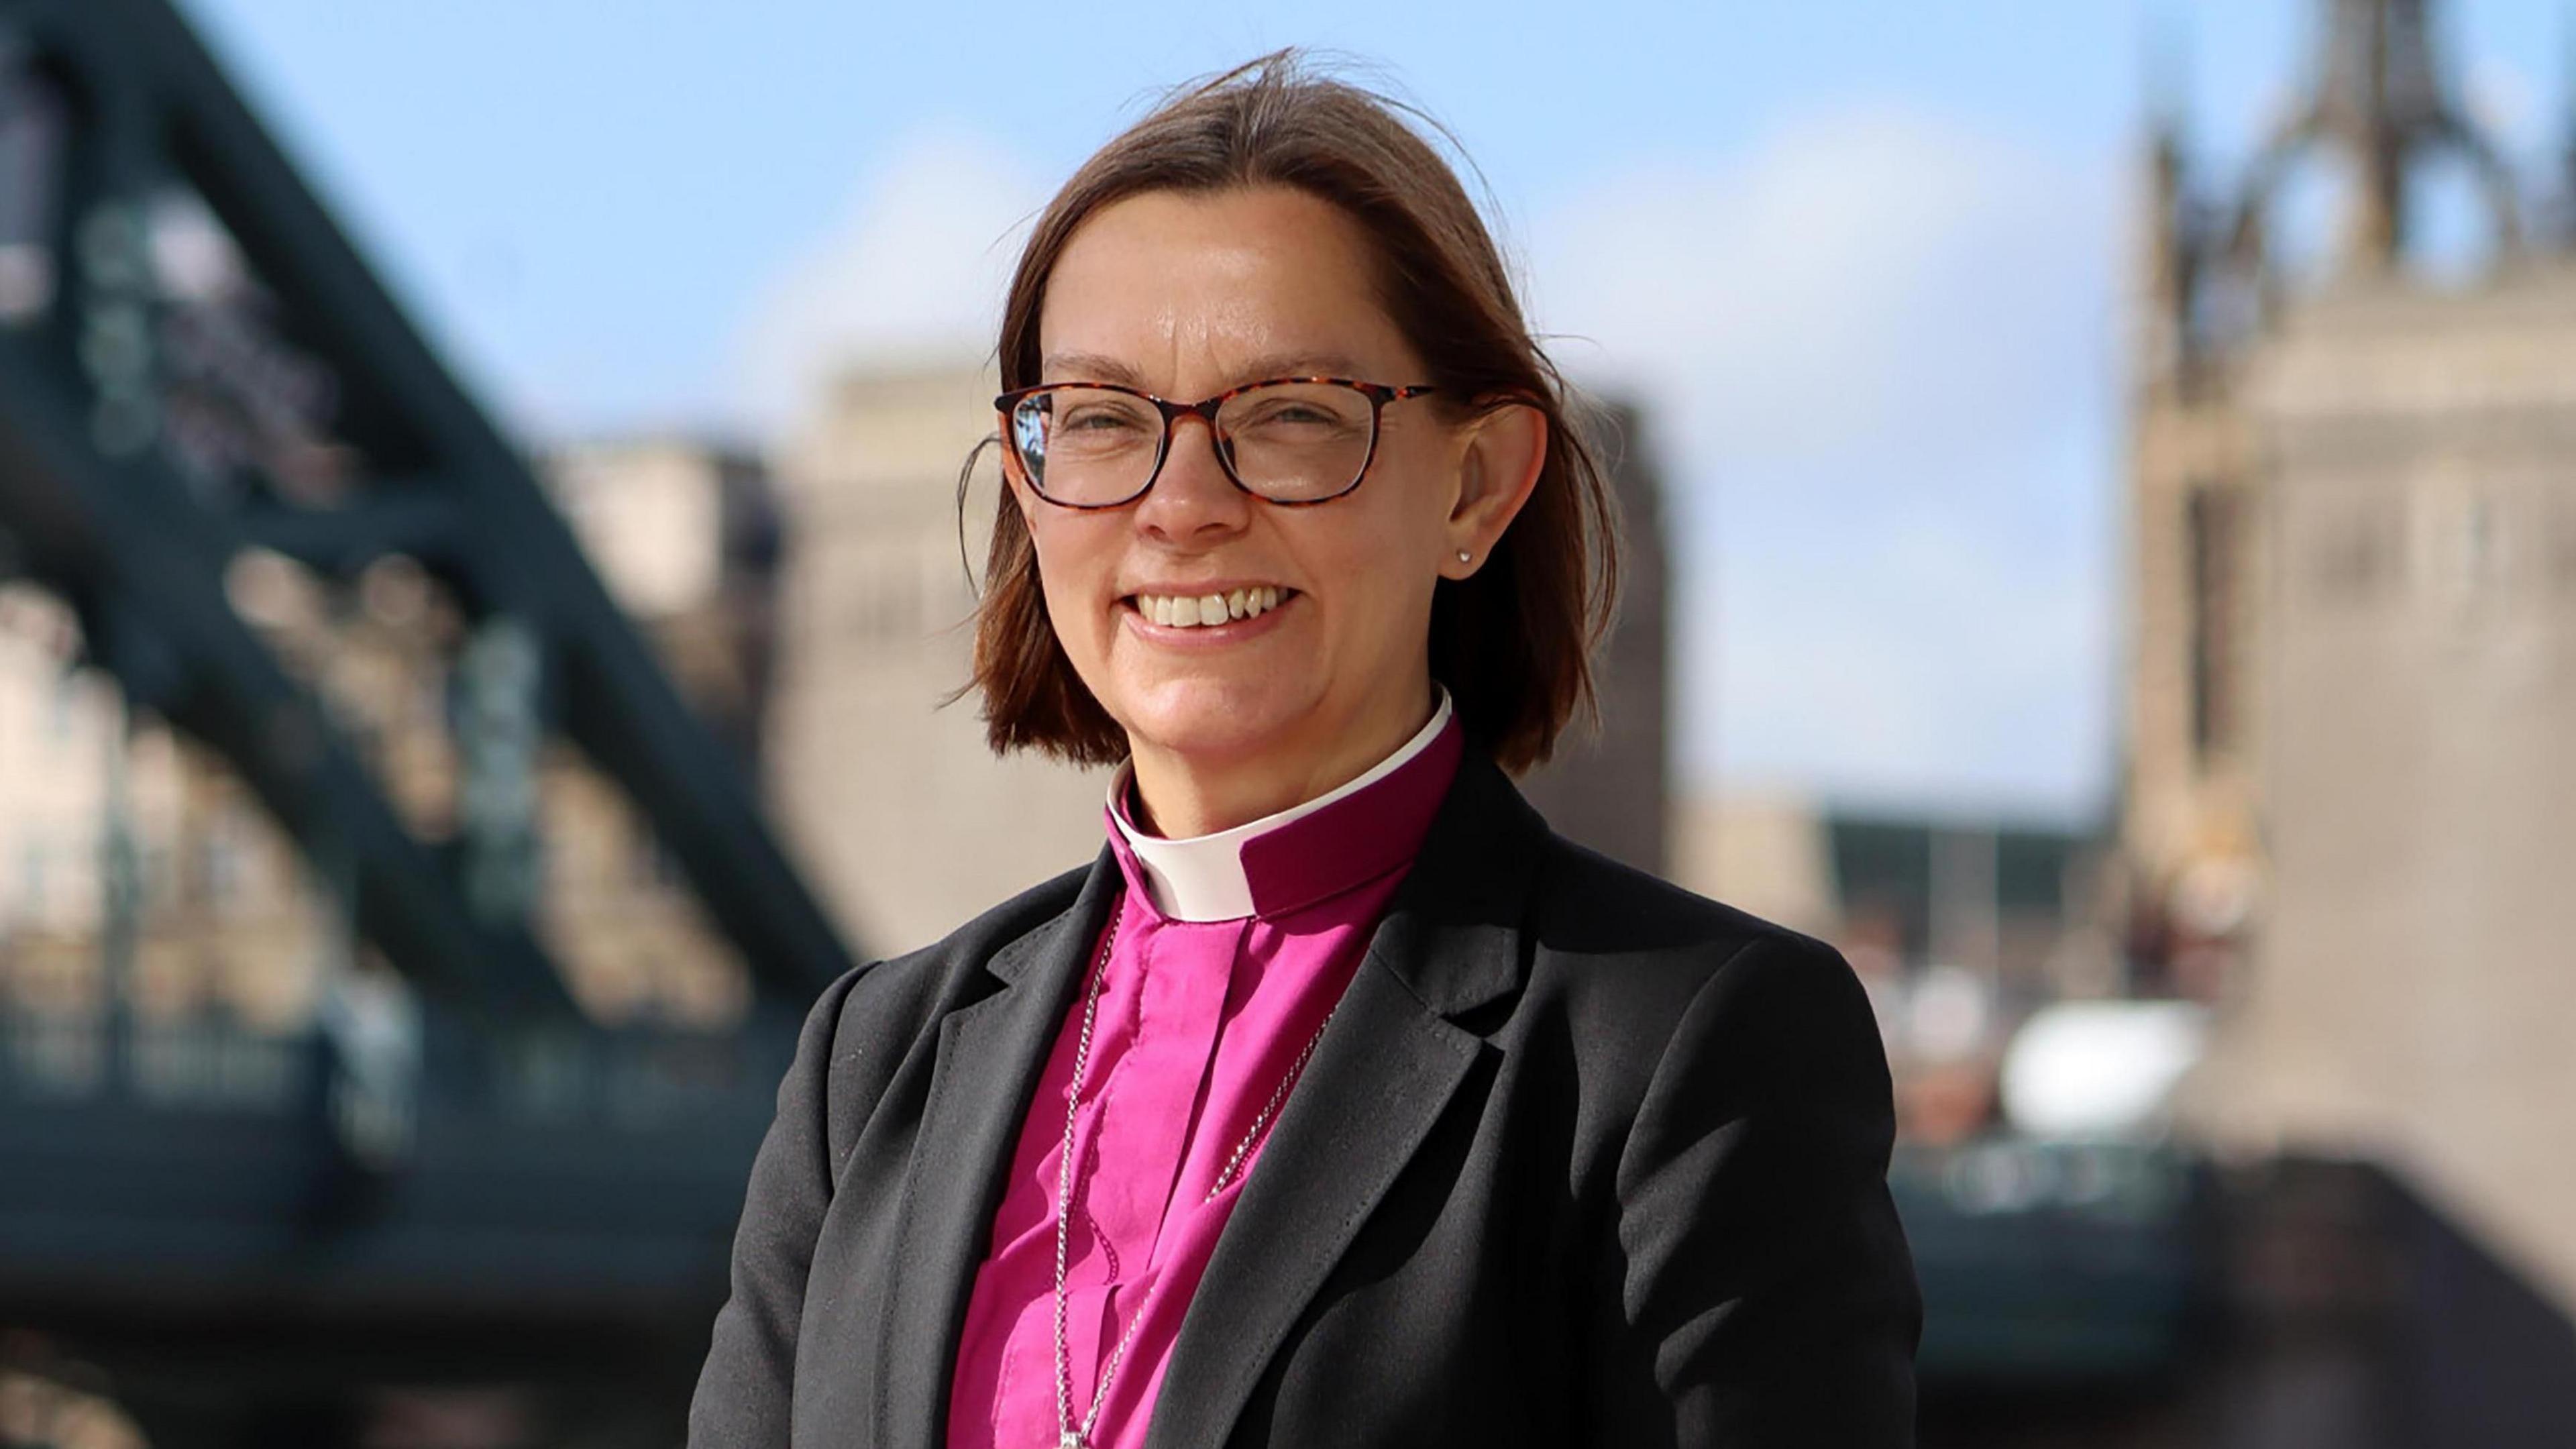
{"x":1188,"y":611}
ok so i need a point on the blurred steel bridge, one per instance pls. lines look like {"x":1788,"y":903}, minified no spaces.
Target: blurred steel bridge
{"x":473,"y":1183}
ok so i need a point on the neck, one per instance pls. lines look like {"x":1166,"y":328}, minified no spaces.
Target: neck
{"x":1179,"y":796}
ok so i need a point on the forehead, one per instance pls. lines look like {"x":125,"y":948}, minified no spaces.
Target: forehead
{"x":1204,"y":288}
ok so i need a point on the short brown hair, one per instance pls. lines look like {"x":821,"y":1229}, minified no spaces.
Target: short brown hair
{"x":1513,"y":642}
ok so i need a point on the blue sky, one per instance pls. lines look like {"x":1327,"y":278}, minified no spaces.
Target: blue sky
{"x":1865,"y":261}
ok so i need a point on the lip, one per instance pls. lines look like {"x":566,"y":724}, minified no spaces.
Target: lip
{"x":1205,"y":636}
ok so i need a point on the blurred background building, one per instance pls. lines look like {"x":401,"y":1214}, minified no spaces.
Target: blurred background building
{"x":910,"y":824}
{"x":2351,"y":797}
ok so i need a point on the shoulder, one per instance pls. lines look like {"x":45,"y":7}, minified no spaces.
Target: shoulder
{"x":1629,"y":928}
{"x":1686,"y":1021}
{"x":1636,"y":963}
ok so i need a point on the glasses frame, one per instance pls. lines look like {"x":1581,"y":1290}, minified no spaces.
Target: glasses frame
{"x":1379,"y":395}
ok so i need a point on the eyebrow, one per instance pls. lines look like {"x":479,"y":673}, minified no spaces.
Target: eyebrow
{"x":1095,"y":367}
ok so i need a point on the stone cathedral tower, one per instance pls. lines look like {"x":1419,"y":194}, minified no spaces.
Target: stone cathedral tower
{"x":2350,"y":799}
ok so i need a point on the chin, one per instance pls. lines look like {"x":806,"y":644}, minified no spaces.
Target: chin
{"x":1212,"y":718}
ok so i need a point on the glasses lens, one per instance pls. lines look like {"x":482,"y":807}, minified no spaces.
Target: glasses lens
{"x":1085,"y":445}
{"x":1295,"y":441}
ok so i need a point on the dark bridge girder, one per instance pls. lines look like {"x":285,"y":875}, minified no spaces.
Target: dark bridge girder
{"x":92,"y":509}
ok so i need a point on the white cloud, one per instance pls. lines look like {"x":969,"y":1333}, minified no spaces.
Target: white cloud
{"x":1863,"y":268}
{"x":915,"y":269}
{"x":1878,"y":347}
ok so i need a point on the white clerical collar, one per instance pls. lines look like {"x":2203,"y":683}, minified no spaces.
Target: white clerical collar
{"x":1201,"y":877}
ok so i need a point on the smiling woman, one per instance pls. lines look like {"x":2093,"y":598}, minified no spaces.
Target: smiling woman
{"x":1338,"y":1100}
{"x":1237,"y":296}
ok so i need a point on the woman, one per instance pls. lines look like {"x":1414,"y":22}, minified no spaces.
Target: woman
{"x":1337,"y":1101}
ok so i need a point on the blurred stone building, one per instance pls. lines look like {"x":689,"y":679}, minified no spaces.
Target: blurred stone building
{"x":1612,"y":789}
{"x":905,"y":821}
{"x":2350,"y":805}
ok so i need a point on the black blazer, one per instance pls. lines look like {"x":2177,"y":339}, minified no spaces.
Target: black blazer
{"x":1583,"y":1159}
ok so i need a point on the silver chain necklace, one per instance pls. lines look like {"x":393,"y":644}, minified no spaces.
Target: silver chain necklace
{"x":1068,"y":1436}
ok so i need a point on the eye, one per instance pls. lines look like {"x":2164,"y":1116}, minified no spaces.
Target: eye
{"x":1297,"y":413}
{"x":1100,"y":419}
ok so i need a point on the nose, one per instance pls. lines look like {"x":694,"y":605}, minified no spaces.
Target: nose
{"x":1193,"y":499}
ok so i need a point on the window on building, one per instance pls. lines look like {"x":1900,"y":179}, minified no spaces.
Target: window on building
{"x":2215,"y":525}
{"x":2468,"y":554}
{"x":2358,"y":550}
{"x":887,"y":596}
{"x":2479,"y":546}
{"x":2562,"y":541}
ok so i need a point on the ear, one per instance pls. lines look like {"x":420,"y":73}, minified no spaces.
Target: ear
{"x":1014,"y":481}
{"x":1503,"y":452}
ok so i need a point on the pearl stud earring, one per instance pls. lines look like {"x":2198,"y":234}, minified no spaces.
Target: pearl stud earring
{"x":1463,"y":556}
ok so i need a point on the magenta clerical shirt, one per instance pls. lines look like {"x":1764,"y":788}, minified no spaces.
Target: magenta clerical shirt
{"x":1230,"y":950}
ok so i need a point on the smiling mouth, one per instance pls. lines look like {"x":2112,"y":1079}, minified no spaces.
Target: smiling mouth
{"x":1195,"y":611}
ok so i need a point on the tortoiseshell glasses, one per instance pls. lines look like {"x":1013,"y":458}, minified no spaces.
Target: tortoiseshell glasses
{"x":1292,"y":440}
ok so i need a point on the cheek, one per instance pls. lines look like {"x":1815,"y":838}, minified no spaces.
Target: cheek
{"x":1050,"y":563}
{"x":1399,"y":527}
{"x":1385,"y":558}
{"x":1074,"y":562}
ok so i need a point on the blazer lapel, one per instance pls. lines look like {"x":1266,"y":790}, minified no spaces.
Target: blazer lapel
{"x":990,"y":1053}
{"x":1383,"y":1073}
